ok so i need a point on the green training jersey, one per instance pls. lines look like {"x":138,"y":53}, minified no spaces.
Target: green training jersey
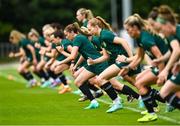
{"x":178,"y":32}
{"x":106,"y":39}
{"x":23,"y":44}
{"x":96,"y":42}
{"x":85,"y":23}
{"x":147,"y":40}
{"x":64,"y":43}
{"x":86,"y":48}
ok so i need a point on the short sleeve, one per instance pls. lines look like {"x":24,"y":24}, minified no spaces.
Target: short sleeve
{"x":77,"y":42}
{"x":108,"y":36}
{"x":148,"y":41}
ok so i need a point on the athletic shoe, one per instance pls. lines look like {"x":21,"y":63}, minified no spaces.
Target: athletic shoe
{"x":169,"y":108}
{"x":148,"y":117}
{"x":65,"y":90}
{"x":55,"y":83}
{"x":46,"y":84}
{"x":93,"y":105}
{"x":83,"y":98}
{"x":77,"y":92}
{"x":31,"y":83}
{"x":115,"y":107}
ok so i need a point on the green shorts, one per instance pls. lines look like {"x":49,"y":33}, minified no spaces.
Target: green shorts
{"x":83,"y":64}
{"x":60,"y":58}
{"x":38,"y":58}
{"x":29,"y":59}
{"x":135,"y":71}
{"x":175,"y":79}
{"x":96,"y":68}
{"x":131,"y":72}
{"x":121,"y":64}
{"x":155,"y":70}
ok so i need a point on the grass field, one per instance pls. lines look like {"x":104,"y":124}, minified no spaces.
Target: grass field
{"x":28,"y":106}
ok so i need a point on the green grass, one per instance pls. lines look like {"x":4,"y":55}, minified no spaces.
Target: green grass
{"x":20,"y":106}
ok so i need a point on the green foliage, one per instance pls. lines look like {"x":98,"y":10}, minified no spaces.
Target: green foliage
{"x":143,"y":7}
{"x":24,"y":14}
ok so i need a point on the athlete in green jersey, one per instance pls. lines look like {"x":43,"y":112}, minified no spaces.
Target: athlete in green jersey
{"x":154,"y":46}
{"x":27,"y":51}
{"x":82,"y":45}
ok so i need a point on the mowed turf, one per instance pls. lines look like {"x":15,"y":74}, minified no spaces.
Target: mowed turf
{"x":20,"y":105}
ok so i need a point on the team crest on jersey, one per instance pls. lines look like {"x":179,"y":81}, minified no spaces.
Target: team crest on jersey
{"x":156,"y":69}
{"x":173,"y":77}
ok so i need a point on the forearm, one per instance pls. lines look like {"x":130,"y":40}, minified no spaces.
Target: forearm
{"x":135,"y":62}
{"x":124,"y":44}
{"x":127,"y":48}
{"x":130,"y":59}
{"x":165,"y":57}
{"x":49,"y":54}
{"x":174,"y":57}
{"x":18,"y":54}
{"x":33,"y":54}
{"x":65,"y":53}
{"x":67,"y":60}
{"x":100,"y":59}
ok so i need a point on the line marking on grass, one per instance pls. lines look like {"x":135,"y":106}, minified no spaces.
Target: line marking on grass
{"x":101,"y":100}
{"x":137,"y":110}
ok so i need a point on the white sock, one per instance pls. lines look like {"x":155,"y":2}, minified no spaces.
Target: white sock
{"x":66,"y":86}
{"x":94,"y":101}
{"x":116,"y":101}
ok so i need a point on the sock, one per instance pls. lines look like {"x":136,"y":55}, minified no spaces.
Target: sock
{"x":92,"y":87}
{"x":129,"y":91}
{"x":85,"y":90}
{"x":52,"y":74}
{"x":157,"y":96}
{"x":152,"y":93}
{"x":44,"y":74}
{"x":38,"y":74}
{"x":148,"y":102}
{"x":173,"y":100}
{"x":29,"y":75}
{"x":63,"y":79}
{"x":107,"y":87}
{"x":24,"y":75}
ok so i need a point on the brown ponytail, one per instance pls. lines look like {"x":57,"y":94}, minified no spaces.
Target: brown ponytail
{"x":76,"y":29}
{"x":104,"y":23}
{"x":81,"y":30}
